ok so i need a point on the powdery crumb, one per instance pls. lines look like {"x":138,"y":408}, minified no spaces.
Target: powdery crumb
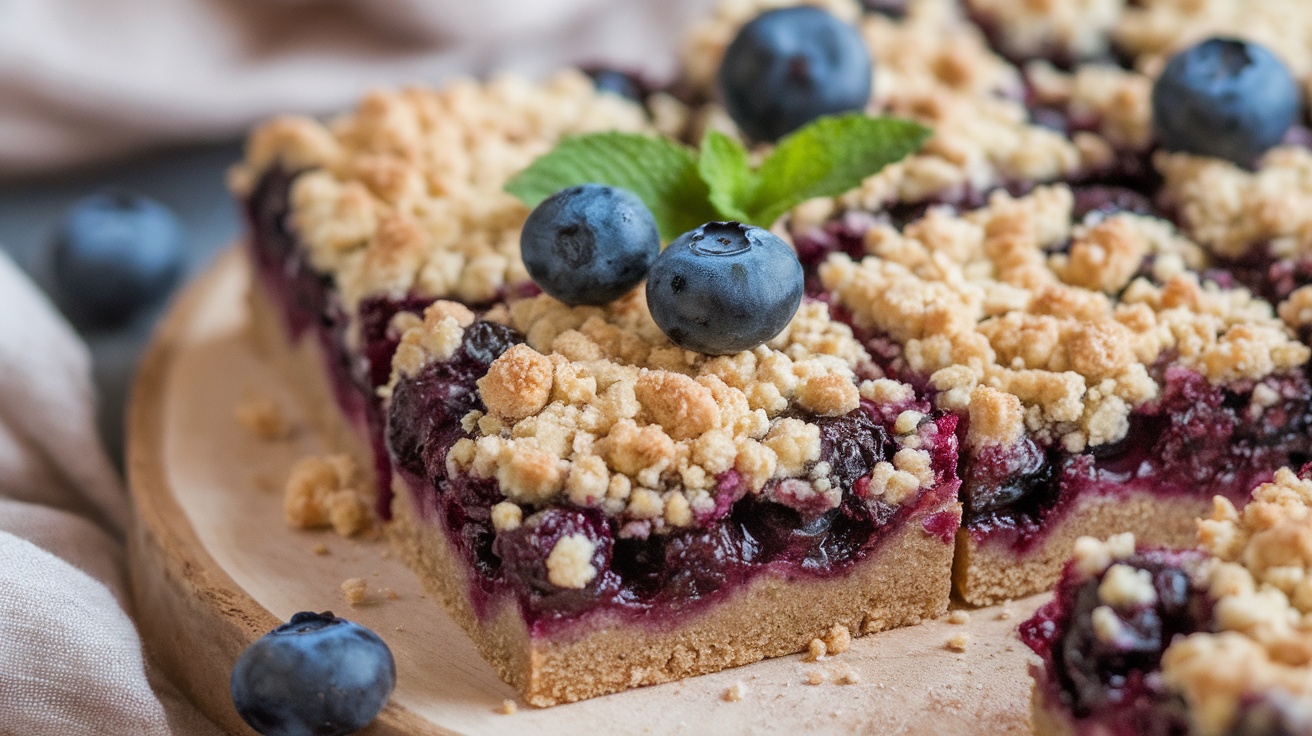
{"x":355,"y":590}
{"x":1004,"y":615}
{"x":508,"y":708}
{"x":264,"y":419}
{"x":390,"y":594}
{"x":735,"y":692}
{"x":815,"y":677}
{"x":320,"y":549}
{"x":816,"y":650}
{"x":959,"y":618}
{"x":845,"y":675}
{"x":958,"y":642}
{"x":837,"y":639}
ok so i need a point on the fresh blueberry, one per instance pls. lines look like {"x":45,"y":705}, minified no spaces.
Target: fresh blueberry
{"x":317,"y":675}
{"x":589,"y":244}
{"x":115,"y":254}
{"x":724,"y":287}
{"x":1225,"y":98}
{"x":617,"y":82}
{"x":790,"y":66}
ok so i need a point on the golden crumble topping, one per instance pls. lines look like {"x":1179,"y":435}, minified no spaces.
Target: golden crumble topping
{"x":1231,"y":210}
{"x":1025,"y":338}
{"x":1261,"y":578}
{"x":1153,"y":30}
{"x":599,"y":408}
{"x":405,"y":193}
{"x":1077,"y":28}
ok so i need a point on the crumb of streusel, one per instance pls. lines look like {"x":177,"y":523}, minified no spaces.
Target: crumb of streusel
{"x":958,"y":642}
{"x":845,"y":675}
{"x":355,"y":590}
{"x":320,"y":549}
{"x":959,"y":617}
{"x":264,"y":419}
{"x":508,"y":707}
{"x":815,"y":651}
{"x":736,"y":692}
{"x":814,"y":677}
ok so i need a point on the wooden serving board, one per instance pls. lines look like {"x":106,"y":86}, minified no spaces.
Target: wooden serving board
{"x":214,"y":567}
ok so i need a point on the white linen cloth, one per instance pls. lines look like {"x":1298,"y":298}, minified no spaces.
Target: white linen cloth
{"x":83,"y":80}
{"x":71,"y":662}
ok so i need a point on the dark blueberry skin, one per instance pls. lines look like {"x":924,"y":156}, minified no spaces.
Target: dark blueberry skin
{"x":617,"y":82}
{"x":1225,"y":98}
{"x":790,"y":66}
{"x":114,"y":255}
{"x":589,"y":244}
{"x":317,"y":675}
{"x":724,"y":287}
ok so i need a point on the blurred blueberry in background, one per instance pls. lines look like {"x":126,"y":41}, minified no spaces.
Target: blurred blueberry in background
{"x":188,"y":183}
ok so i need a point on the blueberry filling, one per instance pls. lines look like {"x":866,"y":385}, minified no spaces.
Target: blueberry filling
{"x":639,"y":575}
{"x":1116,"y":680}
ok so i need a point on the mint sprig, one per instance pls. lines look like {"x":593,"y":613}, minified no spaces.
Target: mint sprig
{"x":684,"y":188}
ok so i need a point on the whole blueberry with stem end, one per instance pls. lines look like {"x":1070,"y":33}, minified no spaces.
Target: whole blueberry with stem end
{"x":589,"y":244}
{"x":790,"y":66}
{"x":317,"y":675}
{"x":1225,"y":98}
{"x":115,"y":254}
{"x":724,"y":287}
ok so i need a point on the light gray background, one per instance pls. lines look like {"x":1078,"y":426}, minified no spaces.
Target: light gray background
{"x":190,"y":181}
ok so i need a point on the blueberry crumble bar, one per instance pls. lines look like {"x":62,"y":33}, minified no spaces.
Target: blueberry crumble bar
{"x":602,"y":509}
{"x":867,"y":366}
{"x":1212,"y":640}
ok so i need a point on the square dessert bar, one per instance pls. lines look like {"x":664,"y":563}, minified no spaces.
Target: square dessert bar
{"x":1107,"y":381}
{"x":602,"y":510}
{"x":1213,"y":640}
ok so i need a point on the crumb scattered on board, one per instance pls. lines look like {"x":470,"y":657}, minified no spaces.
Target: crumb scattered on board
{"x":390,"y":594}
{"x":322,"y":492}
{"x":959,"y":618}
{"x":837,"y":639}
{"x":320,"y":549}
{"x":264,"y":419}
{"x":508,"y":708}
{"x":735,"y":692}
{"x":958,"y":642}
{"x":1005,"y":614}
{"x":355,"y":590}
{"x":845,"y":675}
{"x":815,"y":677}
{"x":815,"y":651}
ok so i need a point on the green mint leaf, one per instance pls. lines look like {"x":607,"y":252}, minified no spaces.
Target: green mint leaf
{"x":828,"y":157}
{"x":724,"y":167}
{"x":662,"y":173}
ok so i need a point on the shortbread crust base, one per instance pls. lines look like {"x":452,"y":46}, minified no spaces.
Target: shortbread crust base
{"x":905,"y":581}
{"x":988,"y":571}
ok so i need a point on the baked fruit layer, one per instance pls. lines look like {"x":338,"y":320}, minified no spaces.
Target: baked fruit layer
{"x":1211,"y":640}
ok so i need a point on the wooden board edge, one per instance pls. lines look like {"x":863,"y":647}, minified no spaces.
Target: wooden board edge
{"x":193,"y":618}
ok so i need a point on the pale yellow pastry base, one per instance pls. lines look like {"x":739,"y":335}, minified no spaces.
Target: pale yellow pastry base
{"x":214,"y":567}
